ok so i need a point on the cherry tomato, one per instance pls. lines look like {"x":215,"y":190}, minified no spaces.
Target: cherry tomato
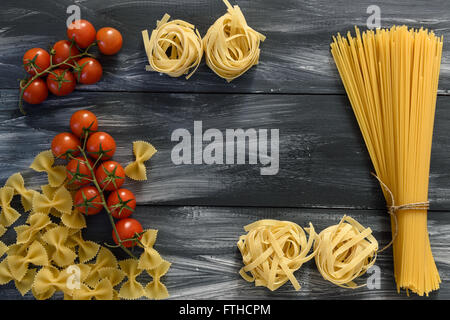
{"x":110,"y":175}
{"x":121,"y":203}
{"x":91,"y":71}
{"x":109,"y":40}
{"x":127,"y":229}
{"x":88,"y":201}
{"x":83,"y":120}
{"x":78,"y":172}
{"x":101,"y":143}
{"x":61,"y":51}
{"x":65,"y":143}
{"x":62,"y":84}
{"x":36,"y":92}
{"x":42,"y":60}
{"x":82,"y":31}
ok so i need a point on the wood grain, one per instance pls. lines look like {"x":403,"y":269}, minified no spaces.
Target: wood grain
{"x":201,"y":244}
{"x":295,"y":57}
{"x":323,"y":161}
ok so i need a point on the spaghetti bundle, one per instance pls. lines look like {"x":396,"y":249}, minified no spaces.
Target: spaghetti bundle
{"x":272,"y":250}
{"x":174,"y":47}
{"x":231,"y":46}
{"x":391,"y":79}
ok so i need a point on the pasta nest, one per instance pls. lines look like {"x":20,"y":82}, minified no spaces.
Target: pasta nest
{"x":231,"y":46}
{"x":174,"y":47}
{"x":272,"y":250}
{"x":345,"y":251}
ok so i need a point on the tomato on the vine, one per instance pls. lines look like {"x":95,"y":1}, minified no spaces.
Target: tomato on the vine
{"x":82,"y":31}
{"x":101,"y":143}
{"x":128,"y":228}
{"x":37,"y":56}
{"x":109,"y":40}
{"x":78,"y":172}
{"x":110,"y":175}
{"x":88,"y":201}
{"x":65,"y":143}
{"x":88,"y":71}
{"x":82,"y":121}
{"x":61,"y":82}
{"x":61,"y":51}
{"x":121,"y":203}
{"x":36,"y":92}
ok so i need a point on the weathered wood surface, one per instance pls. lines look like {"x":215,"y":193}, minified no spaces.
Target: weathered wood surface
{"x":201,"y":244}
{"x":323,"y":160}
{"x":200,"y":210}
{"x":295,"y":57}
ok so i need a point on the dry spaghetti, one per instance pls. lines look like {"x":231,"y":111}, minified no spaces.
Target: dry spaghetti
{"x":345,"y":252}
{"x":174,"y":48}
{"x":231,"y":46}
{"x":391,"y":78}
{"x":272,"y":250}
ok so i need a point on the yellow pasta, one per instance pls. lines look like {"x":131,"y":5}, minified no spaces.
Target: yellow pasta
{"x":155,"y":289}
{"x":44,"y":163}
{"x":24,"y":285}
{"x":35,"y":223}
{"x":18,"y":264}
{"x":102,"y":291}
{"x":18,"y":184}
{"x":149,"y":258}
{"x":131,"y":289}
{"x":8,"y":215}
{"x":174,"y":48}
{"x":105,"y":258}
{"x":231,"y":46}
{"x":3,"y":248}
{"x":273,"y":250}
{"x":2,"y":230}
{"x":74,"y":219}
{"x":345,"y":252}
{"x":114,"y":275}
{"x":61,"y":201}
{"x":142,"y":151}
{"x":87,"y":250}
{"x":391,"y":79}
{"x":57,"y":237}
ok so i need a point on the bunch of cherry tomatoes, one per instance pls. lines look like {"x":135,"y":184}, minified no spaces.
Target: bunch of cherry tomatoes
{"x":92,"y":172}
{"x":68,"y":62}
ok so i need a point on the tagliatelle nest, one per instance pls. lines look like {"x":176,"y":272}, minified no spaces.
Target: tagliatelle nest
{"x":48,"y":248}
{"x":273,"y":250}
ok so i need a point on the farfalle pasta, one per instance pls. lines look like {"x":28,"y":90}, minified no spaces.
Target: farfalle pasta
{"x":143,"y":151}
{"x":131,"y":289}
{"x":60,"y":200}
{"x":57,"y":237}
{"x":24,"y":285}
{"x":18,"y":184}
{"x":149,"y":258}
{"x":74,"y":219}
{"x":44,"y":163}
{"x":8,"y":215}
{"x":105,"y":258}
{"x":102,"y":291}
{"x":155,"y":289}
{"x":18,"y":264}
{"x":87,"y":250}
{"x":3,"y":248}
{"x":35,"y":223}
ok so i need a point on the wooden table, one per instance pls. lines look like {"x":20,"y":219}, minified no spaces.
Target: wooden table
{"x":200,"y":210}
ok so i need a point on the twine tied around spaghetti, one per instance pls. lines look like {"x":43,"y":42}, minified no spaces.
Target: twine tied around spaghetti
{"x":392,"y":209}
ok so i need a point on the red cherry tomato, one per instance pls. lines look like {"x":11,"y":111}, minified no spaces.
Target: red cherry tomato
{"x":83,"y":120}
{"x":101,"y":143}
{"x":36,"y":92}
{"x":61,"y":51}
{"x":110,"y":175}
{"x":121,"y":203}
{"x":88,"y":201}
{"x":82,"y":31}
{"x":62,"y":84}
{"x":65,"y":143}
{"x":109,"y":40}
{"x":41,"y":60}
{"x":127,"y":229}
{"x":78,"y":172}
{"x":91,"y":71}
